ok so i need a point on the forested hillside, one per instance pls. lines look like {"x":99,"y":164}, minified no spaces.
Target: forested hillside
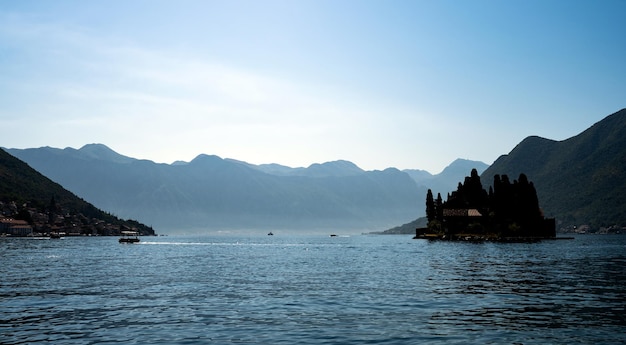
{"x":28,"y":195}
{"x":580,"y":180}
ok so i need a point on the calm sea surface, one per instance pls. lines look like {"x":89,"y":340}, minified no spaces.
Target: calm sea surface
{"x":312,"y":290}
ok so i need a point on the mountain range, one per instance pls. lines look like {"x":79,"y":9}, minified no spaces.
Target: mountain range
{"x":26,"y":194}
{"x":580,"y":180}
{"x":449,"y":178}
{"x":215,"y":193}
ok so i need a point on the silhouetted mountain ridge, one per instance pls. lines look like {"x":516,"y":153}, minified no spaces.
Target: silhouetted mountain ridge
{"x":580,"y":180}
{"x":216,"y":193}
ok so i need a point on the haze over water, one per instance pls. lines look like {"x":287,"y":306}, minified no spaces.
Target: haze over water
{"x":312,"y":290}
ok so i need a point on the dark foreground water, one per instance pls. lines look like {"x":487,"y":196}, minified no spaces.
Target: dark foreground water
{"x":312,"y":290}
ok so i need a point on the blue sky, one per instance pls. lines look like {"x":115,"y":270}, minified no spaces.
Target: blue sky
{"x":406,"y":84}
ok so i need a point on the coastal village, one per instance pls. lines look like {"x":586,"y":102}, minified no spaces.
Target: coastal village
{"x":25,"y":221}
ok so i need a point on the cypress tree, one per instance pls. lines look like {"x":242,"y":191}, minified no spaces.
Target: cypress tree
{"x":439,"y":208}
{"x":430,"y":206}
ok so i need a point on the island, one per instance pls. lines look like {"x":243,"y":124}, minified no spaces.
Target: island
{"x":508,"y":212}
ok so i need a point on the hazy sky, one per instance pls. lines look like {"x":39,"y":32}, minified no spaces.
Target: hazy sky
{"x":406,"y":84}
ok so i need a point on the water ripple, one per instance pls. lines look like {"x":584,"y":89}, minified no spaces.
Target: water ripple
{"x":312,"y":290}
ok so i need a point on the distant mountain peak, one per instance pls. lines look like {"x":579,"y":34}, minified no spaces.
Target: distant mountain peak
{"x":205,"y":161}
{"x":206,"y":158}
{"x":333,"y":168}
{"x":446,"y":180}
{"x":103,"y":152}
{"x":462,"y":162}
{"x":95,"y":146}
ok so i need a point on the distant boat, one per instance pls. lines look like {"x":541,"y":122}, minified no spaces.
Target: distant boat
{"x":56,"y":235}
{"x":270,"y":234}
{"x":129,"y":237}
{"x":333,"y":235}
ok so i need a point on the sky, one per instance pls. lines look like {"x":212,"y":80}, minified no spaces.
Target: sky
{"x":404,"y":84}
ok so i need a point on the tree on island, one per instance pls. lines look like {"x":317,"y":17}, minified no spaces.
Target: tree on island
{"x":507,"y":210}
{"x":431,"y":212}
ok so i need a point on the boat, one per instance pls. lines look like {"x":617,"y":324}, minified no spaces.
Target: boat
{"x":270,"y":234}
{"x":129,"y":237}
{"x":56,"y":235}
{"x":333,"y":235}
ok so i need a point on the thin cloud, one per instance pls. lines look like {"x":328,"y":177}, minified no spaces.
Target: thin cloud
{"x":127,"y":88}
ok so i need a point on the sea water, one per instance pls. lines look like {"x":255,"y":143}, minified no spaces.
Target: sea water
{"x":312,"y":290}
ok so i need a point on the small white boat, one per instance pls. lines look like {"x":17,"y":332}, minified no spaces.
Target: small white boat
{"x":129,"y":237}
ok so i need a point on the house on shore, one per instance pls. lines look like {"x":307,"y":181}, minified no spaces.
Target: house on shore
{"x":15,"y":227}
